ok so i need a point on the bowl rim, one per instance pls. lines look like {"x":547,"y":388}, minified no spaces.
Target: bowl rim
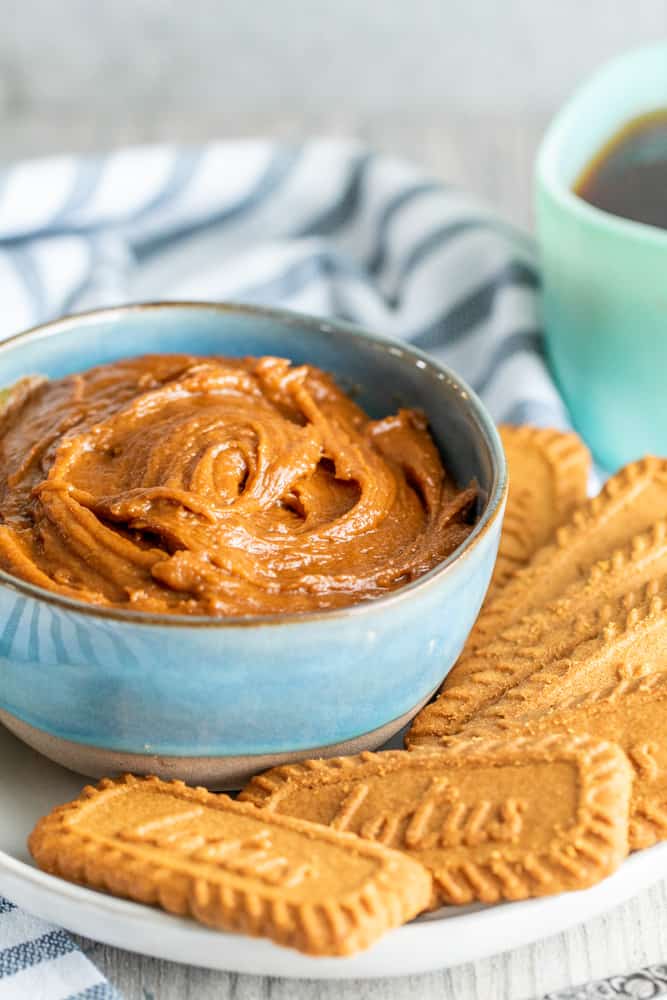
{"x":390,"y":345}
{"x":549,"y":178}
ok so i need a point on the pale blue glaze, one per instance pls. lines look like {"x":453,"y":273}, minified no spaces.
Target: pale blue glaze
{"x":605,"y":304}
{"x":204,"y":687}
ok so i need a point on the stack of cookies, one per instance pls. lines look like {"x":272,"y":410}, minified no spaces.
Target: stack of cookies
{"x":538,"y":766}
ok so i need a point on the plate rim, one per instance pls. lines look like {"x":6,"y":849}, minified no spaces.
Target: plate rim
{"x":418,"y":939}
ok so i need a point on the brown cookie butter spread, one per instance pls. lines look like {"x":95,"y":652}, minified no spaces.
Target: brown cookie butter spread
{"x":218,"y":486}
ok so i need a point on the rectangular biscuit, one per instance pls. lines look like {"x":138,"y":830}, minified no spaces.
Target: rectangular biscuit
{"x":490,"y":819}
{"x":613,"y":588}
{"x":633,"y":713}
{"x":231,"y":866}
{"x":548,"y":479}
{"x":629,"y":503}
{"x":632,"y":642}
{"x":629,"y":506}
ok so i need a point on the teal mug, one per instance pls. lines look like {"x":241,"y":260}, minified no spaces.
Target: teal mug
{"x":605,"y":277}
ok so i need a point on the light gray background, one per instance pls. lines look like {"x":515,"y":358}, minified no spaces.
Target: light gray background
{"x":466,"y":88}
{"x":463,"y":87}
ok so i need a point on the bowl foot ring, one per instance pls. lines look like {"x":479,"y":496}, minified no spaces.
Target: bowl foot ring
{"x":218,"y":773}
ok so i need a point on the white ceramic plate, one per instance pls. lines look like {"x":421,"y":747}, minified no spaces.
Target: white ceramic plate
{"x":30,"y":786}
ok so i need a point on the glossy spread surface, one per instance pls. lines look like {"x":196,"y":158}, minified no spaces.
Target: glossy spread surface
{"x":218,"y":486}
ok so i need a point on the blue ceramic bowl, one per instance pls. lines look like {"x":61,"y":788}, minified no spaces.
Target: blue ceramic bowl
{"x":214,"y":700}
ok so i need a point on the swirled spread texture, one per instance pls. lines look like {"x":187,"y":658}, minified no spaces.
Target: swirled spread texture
{"x":218,"y":486}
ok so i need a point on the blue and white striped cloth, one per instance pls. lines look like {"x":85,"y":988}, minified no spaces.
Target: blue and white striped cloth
{"x":41,"y":962}
{"x":326,"y":227}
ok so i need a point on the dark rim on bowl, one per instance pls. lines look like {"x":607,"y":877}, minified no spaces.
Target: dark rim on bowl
{"x":397,"y":348}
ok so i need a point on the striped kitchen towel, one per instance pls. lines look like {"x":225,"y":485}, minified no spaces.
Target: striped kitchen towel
{"x":41,"y":962}
{"x":326,"y":227}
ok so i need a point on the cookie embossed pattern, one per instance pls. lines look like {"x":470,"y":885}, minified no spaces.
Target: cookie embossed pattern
{"x":598,"y":581}
{"x":549,"y":480}
{"x":580,"y":614}
{"x":231,"y":866}
{"x":632,"y":637}
{"x":633,"y":713}
{"x":474,"y":814}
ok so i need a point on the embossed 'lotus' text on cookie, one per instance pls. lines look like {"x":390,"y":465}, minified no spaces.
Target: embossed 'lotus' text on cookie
{"x":627,"y":584}
{"x":490,"y":819}
{"x":231,"y":866}
{"x":463,"y":823}
{"x":548,"y":474}
{"x":633,"y":713}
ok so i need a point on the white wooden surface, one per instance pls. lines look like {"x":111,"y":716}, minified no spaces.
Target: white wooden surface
{"x":466,"y":89}
{"x":628,"y":937}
